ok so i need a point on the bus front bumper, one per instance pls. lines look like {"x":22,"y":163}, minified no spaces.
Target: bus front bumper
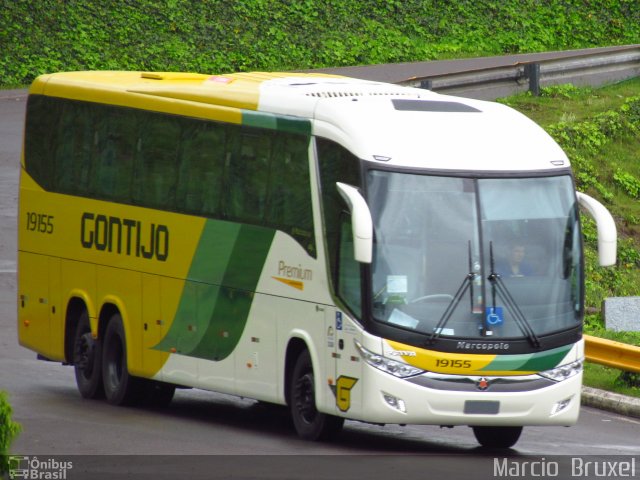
{"x":530,"y":401}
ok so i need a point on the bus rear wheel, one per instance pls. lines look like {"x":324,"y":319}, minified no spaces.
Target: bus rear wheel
{"x":309,"y":423}
{"x":87,"y":360}
{"x":497,"y":437}
{"x":120,"y":387}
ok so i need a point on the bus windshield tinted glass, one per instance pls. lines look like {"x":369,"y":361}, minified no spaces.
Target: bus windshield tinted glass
{"x":469,"y":258}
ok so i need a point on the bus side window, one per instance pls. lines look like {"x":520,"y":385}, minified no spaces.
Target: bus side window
{"x":114,"y":145}
{"x":201,"y":169}
{"x":156,"y":162}
{"x":72,"y":158}
{"x":247,"y":177}
{"x":289,"y":204}
{"x":42,"y":112}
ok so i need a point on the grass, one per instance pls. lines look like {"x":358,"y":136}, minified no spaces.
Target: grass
{"x":610,"y":379}
{"x":572,"y":104}
{"x":631,"y":338}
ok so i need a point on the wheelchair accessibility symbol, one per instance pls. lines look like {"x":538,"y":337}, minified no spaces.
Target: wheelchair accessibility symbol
{"x":494,"y":316}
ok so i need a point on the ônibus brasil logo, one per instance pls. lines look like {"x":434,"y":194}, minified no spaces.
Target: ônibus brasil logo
{"x":34,"y":468}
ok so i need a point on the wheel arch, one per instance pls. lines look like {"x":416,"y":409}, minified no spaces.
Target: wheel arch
{"x":299,"y":342}
{"x":107,"y":310}
{"x":110,"y":306}
{"x":78,"y":302}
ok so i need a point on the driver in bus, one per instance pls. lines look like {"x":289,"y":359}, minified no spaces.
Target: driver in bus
{"x":515,"y":265}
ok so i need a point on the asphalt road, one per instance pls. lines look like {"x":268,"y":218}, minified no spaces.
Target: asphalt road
{"x":206,"y":435}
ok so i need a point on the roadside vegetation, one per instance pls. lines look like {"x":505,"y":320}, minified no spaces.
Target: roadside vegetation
{"x":612,"y":380}
{"x":8,"y":431}
{"x":222,"y":36}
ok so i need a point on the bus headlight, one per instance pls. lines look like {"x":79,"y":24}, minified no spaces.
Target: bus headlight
{"x":563,"y":372}
{"x":395,"y":368}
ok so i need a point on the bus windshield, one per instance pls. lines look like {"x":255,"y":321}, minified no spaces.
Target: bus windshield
{"x":475,"y":257}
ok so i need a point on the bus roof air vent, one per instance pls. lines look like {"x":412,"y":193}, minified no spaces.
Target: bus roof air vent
{"x":410,"y":105}
{"x":370,"y":93}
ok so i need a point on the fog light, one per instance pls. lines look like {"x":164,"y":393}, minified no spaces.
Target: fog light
{"x":394,"y":402}
{"x":560,"y":406}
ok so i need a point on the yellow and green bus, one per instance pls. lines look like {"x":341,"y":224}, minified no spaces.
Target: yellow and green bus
{"x":339,"y":246}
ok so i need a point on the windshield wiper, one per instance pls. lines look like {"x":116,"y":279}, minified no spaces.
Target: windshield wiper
{"x":497,"y":285}
{"x":467,"y":284}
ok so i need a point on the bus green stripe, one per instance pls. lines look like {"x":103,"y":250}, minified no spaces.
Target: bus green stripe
{"x":232,"y":308}
{"x":546,"y":360}
{"x":530,"y":362}
{"x":214,"y":251}
{"x":217,"y":297}
{"x":248,"y":257}
{"x":192,"y":318}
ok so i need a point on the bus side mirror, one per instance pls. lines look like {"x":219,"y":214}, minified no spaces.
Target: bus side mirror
{"x":607,"y":235}
{"x":361,"y":222}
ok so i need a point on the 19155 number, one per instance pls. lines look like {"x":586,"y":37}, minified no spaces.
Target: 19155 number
{"x":39,"y":222}
{"x":441,"y":362}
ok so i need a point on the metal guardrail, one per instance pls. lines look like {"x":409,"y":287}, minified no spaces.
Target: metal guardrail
{"x":612,"y":354}
{"x":583,"y":69}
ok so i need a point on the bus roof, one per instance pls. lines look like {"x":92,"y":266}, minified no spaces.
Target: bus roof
{"x":379,"y":122}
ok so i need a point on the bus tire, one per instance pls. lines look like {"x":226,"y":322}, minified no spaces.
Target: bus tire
{"x":87,"y":360}
{"x":497,"y":437}
{"x":120,"y":387}
{"x":309,"y":423}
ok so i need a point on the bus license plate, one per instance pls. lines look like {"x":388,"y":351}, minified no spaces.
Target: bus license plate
{"x":483,"y":407}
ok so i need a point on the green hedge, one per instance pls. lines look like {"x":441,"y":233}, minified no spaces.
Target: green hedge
{"x":219,"y":36}
{"x":8,"y":431}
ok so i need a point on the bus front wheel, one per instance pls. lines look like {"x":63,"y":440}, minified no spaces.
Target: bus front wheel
{"x":497,"y":437}
{"x":309,"y":423}
{"x":120,"y":387}
{"x":87,"y":360}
